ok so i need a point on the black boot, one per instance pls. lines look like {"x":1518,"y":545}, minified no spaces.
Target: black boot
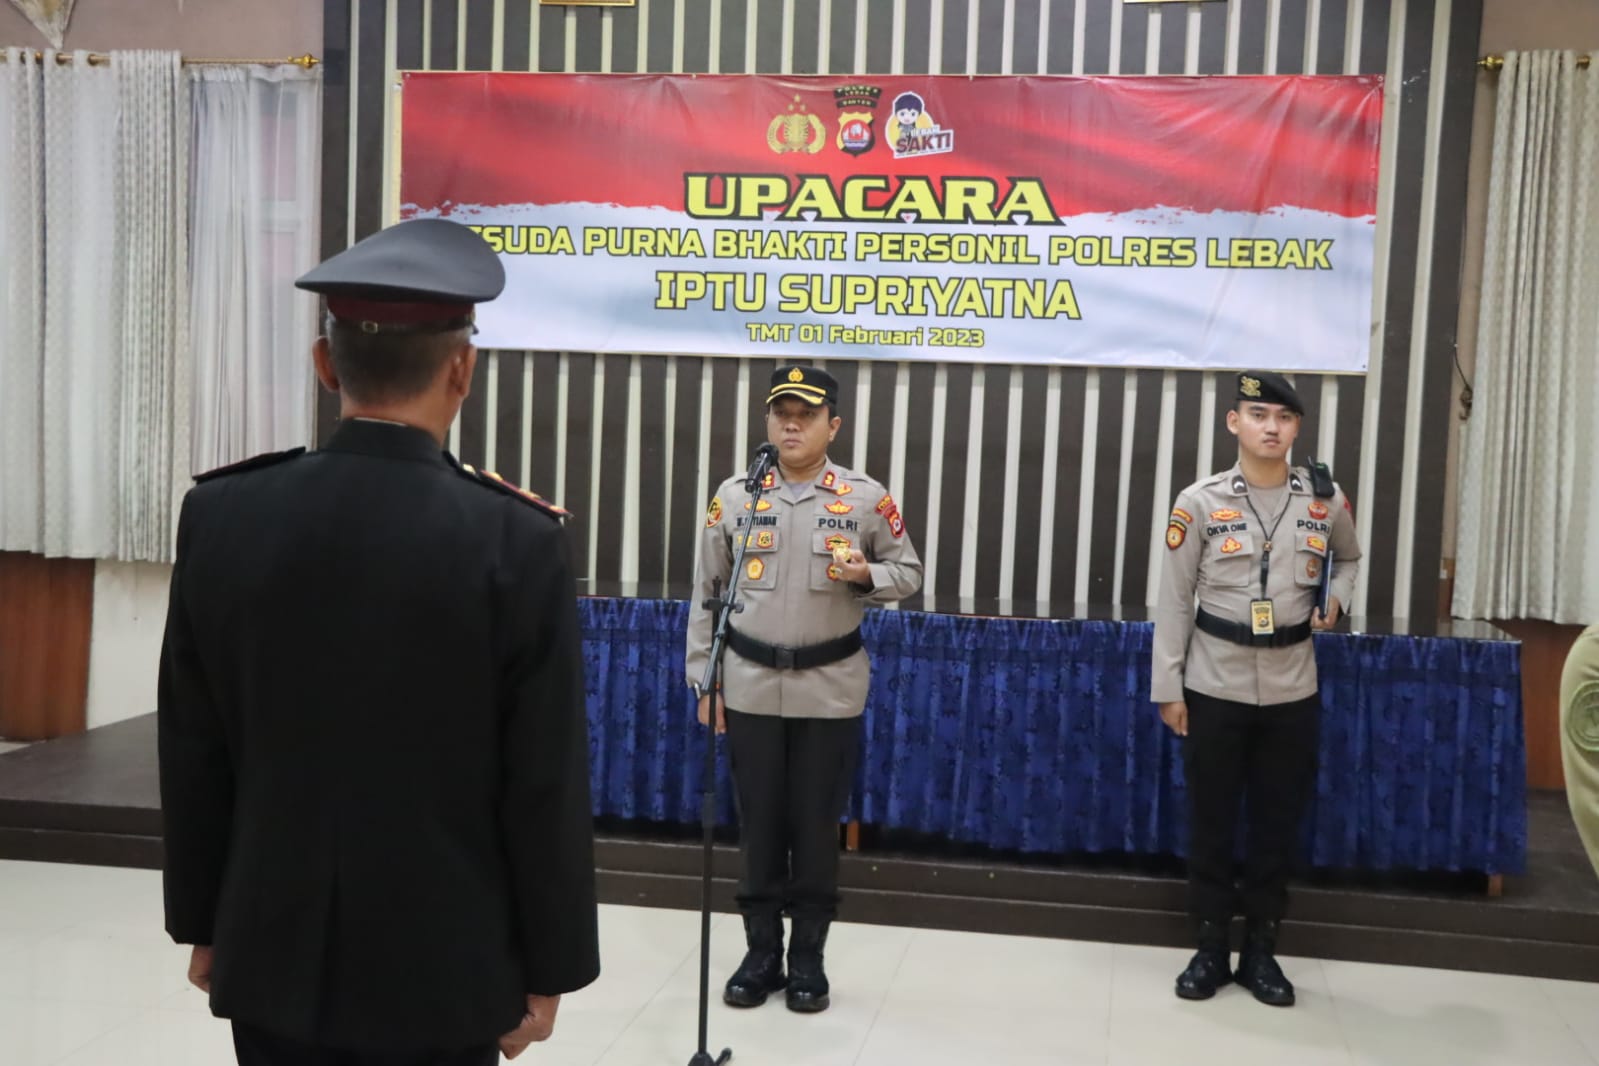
{"x":1207,"y":970}
{"x":761,"y":972}
{"x":1257,"y":966}
{"x":807,"y":981}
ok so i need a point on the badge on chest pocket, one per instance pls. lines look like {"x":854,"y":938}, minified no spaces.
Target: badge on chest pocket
{"x":1228,"y":558}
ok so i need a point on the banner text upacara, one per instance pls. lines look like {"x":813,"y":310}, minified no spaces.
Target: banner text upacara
{"x":867,"y":198}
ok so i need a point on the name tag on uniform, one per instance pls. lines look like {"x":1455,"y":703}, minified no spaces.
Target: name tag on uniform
{"x":1261,"y":620}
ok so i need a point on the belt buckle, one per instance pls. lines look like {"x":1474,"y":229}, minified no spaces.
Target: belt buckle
{"x":783,"y":658}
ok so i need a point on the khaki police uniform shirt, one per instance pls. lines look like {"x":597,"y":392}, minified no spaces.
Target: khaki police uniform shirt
{"x":791,"y":593}
{"x":1579,"y":737}
{"x":1214,"y":543}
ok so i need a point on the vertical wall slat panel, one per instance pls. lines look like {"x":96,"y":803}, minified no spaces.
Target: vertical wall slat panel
{"x":1062,"y":13}
{"x":1107,"y":487}
{"x":1068,"y":485}
{"x":1030,"y":476}
{"x":473,"y":419}
{"x":687,"y":425}
{"x":544,"y":367}
{"x":581,"y":444}
{"x":609,"y":508}
{"x":955,"y":488}
{"x":518,"y":18}
{"x":1388,"y":441}
{"x":1140,"y":503}
{"x":370,"y":88}
{"x":1095,"y":43}
{"x":880,"y":428}
{"x":1291,"y":37}
{"x":916,"y":491}
{"x":509,"y":418}
{"x":1212,"y":39}
{"x":1135,"y":35}
{"x":735,"y":18}
{"x":986,"y":492}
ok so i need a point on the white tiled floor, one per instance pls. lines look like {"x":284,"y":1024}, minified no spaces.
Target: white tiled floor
{"x":88,"y":979}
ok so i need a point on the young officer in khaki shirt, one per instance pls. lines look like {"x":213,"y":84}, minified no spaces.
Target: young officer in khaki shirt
{"x":824,"y":543}
{"x":1237,"y":677}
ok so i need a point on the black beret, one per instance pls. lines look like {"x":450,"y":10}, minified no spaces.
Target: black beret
{"x":1263,"y":386}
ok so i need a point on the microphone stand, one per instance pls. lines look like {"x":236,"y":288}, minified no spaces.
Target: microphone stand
{"x":725,"y":606}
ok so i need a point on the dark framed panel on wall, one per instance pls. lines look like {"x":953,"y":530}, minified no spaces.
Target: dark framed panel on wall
{"x":1022,"y":484}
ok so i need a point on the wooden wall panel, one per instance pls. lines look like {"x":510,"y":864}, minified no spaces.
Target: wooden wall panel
{"x":46,"y":611}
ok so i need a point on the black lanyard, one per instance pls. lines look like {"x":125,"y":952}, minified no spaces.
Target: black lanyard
{"x":1265,"y":549}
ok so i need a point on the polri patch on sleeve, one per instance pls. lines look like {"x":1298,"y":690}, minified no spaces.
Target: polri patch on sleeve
{"x":713,"y":513}
{"x":1176,"y":533}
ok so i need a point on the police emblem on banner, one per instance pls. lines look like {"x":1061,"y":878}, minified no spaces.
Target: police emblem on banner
{"x":796,"y":130}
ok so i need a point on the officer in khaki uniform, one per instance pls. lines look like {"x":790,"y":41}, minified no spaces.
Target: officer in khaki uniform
{"x":1234,"y":673}
{"x":1579,"y":737}
{"x":823,"y":544}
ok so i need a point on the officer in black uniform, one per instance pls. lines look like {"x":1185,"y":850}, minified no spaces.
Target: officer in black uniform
{"x":373,"y":745}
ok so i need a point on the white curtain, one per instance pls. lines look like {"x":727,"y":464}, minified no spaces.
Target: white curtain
{"x":80,"y":414}
{"x":92,"y":205}
{"x":104,"y":415}
{"x":21,"y":296}
{"x":253,"y":230}
{"x":1529,"y":498}
{"x":152,"y":210}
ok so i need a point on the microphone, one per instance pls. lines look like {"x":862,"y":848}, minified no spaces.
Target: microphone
{"x":765,"y":458}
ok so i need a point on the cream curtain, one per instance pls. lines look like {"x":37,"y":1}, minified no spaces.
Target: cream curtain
{"x":92,"y":205}
{"x":104,"y":415}
{"x":21,"y":296}
{"x":257,"y":147}
{"x":1529,"y":509}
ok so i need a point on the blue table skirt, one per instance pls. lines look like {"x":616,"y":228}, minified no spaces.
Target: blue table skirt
{"x":1037,"y":735}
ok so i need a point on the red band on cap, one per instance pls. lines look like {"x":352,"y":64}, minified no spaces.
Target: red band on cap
{"x":399,"y":313}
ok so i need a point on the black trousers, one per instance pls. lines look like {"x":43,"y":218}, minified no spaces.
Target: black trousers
{"x":792,"y":778}
{"x":258,"y":1047}
{"x":1266,"y":757}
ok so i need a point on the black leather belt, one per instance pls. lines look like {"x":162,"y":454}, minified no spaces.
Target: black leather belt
{"x":1240,"y":633}
{"x":780,"y":658}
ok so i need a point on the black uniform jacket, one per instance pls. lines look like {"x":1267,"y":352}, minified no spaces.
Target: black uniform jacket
{"x":374,"y":752}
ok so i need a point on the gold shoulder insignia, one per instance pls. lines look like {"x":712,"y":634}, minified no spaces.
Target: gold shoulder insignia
{"x":494,"y":481}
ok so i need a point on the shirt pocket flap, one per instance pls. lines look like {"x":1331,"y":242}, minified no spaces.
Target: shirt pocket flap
{"x":760,"y":540}
{"x":1232,"y":545}
{"x":824,"y":541}
{"x":1315,"y":543}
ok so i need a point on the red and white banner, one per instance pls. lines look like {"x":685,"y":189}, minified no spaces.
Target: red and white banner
{"x":1151,"y":221}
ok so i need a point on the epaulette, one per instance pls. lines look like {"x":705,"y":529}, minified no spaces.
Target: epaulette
{"x":255,"y":462}
{"x":495,"y":481}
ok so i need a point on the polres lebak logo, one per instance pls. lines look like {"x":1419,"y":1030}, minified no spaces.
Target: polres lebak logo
{"x":856,"y":103}
{"x":913,"y":131}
